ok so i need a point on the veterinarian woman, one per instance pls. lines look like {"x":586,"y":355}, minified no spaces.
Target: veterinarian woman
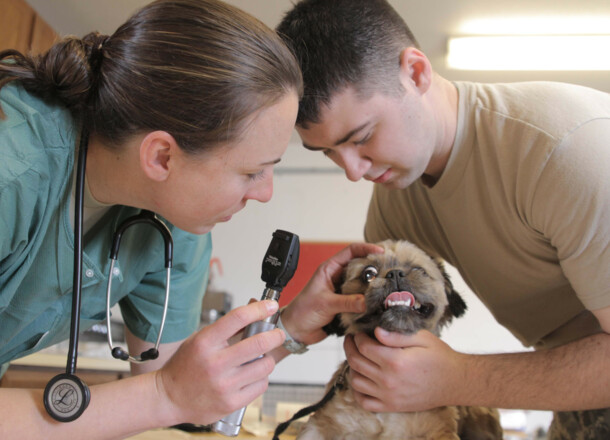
{"x":187,"y":108}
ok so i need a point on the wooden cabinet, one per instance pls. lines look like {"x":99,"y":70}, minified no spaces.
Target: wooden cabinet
{"x":23,"y":29}
{"x":35,"y":371}
{"x":18,"y":376}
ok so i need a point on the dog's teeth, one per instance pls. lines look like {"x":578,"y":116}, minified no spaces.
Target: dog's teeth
{"x":406,"y":303}
{"x":417,"y":305}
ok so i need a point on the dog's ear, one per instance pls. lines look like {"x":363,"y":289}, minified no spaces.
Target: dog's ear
{"x":457,"y":306}
{"x":335,"y":327}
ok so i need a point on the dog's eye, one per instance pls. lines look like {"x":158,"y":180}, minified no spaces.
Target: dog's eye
{"x":420,"y":271}
{"x":369,"y":274}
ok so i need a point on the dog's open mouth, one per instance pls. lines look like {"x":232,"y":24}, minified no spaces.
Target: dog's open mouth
{"x":406,"y":299}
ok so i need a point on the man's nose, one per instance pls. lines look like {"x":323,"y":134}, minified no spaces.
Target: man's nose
{"x":354,"y":165}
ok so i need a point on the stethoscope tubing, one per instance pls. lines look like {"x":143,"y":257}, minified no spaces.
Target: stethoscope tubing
{"x":68,"y":384}
{"x":144,"y":216}
{"x":78,"y":253}
{"x":135,"y":359}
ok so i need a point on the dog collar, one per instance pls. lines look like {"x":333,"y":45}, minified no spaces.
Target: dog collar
{"x":291,"y":344}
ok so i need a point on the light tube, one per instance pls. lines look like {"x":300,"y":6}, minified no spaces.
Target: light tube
{"x":529,"y":52}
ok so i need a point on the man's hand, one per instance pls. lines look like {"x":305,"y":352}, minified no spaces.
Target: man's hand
{"x":318,"y":302}
{"x":402,"y":372}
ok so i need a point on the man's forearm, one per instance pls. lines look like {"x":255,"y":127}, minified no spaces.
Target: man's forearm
{"x":575,"y":376}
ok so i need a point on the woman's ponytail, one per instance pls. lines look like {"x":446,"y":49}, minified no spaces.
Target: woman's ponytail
{"x":66,"y":73}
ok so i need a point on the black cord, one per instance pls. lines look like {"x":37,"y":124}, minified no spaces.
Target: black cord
{"x":338,"y":385}
{"x":78,"y":251}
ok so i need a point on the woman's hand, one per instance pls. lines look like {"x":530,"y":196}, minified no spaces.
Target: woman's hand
{"x":208,"y":378}
{"x":403,"y":373}
{"x":318,"y":302}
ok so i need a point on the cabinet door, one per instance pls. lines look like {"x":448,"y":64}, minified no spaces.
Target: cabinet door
{"x":23,"y":29}
{"x":43,"y":36}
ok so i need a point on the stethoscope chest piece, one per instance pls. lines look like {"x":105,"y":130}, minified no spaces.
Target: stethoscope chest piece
{"x":66,"y":397}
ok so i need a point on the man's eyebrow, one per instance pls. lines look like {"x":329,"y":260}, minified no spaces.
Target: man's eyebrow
{"x":339,"y":141}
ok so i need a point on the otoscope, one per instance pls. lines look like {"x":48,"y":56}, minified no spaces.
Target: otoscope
{"x":279,"y":265}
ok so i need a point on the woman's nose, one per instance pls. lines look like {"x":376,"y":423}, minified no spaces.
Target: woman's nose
{"x":263,"y":190}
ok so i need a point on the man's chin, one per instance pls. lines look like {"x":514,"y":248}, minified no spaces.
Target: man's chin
{"x":397,"y":184}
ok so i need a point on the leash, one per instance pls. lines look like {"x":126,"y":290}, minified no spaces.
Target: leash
{"x":339,"y":385}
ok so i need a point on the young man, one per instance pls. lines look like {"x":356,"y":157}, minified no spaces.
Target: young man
{"x":508,"y":183}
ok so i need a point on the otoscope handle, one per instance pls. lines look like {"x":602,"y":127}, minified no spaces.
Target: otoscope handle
{"x":279,"y":264}
{"x":231,"y":424}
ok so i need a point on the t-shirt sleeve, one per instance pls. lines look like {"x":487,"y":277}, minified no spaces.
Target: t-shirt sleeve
{"x":571,"y":207}
{"x":143,"y":307}
{"x":377,"y":228}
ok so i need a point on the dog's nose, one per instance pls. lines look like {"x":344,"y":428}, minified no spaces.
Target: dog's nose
{"x":395,"y":274}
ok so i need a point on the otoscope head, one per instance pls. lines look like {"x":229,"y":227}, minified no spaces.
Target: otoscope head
{"x":281,"y":259}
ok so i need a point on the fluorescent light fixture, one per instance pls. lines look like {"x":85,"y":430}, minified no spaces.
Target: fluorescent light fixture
{"x":536,"y":25}
{"x":529,"y":52}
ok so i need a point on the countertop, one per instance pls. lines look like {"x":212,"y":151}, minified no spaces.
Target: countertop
{"x":59,"y":360}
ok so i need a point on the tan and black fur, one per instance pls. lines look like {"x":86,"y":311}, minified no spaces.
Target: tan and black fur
{"x":405,"y":291}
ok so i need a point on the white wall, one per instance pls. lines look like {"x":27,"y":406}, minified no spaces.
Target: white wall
{"x":322,"y":205}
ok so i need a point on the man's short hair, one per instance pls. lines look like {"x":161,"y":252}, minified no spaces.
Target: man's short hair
{"x":341,"y":43}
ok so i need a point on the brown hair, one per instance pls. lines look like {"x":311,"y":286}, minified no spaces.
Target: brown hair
{"x":343,"y":43}
{"x":194,"y":68}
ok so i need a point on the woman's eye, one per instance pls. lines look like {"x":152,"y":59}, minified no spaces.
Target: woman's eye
{"x":369,"y":274}
{"x":257,"y":176}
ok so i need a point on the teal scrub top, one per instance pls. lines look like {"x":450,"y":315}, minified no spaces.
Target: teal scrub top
{"x":37,"y":150}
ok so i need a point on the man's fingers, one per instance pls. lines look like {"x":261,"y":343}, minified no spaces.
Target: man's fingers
{"x":350,"y":303}
{"x":355,"y":250}
{"x":345,"y":255}
{"x":398,"y":340}
{"x":356,"y":359}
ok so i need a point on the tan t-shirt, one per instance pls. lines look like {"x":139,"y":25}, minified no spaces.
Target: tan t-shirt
{"x":522,"y":209}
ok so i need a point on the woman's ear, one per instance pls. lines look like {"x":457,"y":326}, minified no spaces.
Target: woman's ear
{"x":415,"y":69}
{"x":157,"y":150}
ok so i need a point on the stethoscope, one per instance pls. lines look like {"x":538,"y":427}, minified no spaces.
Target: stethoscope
{"x":66,"y":396}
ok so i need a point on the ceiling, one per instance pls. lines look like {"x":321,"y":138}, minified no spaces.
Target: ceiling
{"x":432,"y":22}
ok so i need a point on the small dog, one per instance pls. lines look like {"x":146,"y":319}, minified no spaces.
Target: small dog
{"x":405,"y":291}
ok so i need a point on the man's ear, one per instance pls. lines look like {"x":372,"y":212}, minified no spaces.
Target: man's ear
{"x":415,"y":69}
{"x":157,"y":150}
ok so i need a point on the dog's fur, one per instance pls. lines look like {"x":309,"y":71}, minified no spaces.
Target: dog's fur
{"x":402,"y":268}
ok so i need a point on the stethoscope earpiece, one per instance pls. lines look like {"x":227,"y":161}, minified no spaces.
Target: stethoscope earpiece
{"x":150,"y":354}
{"x":119,"y":353}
